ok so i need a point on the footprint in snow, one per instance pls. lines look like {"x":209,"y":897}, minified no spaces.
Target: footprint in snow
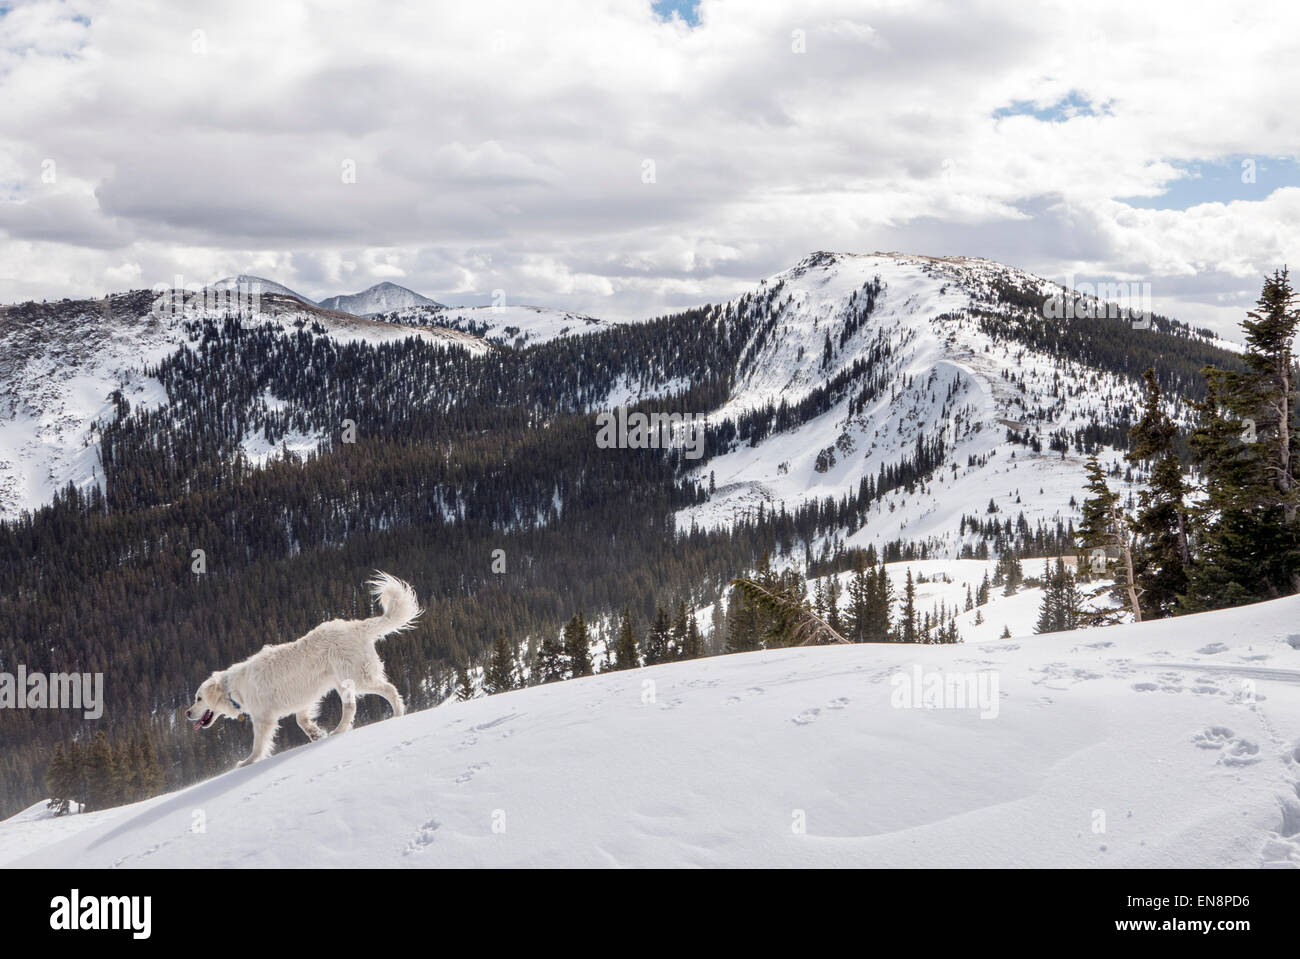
{"x":468,"y":774}
{"x":422,"y":839}
{"x":806,"y":717}
{"x":1212,"y":649}
{"x":1234,"y":750}
{"x":838,"y":703}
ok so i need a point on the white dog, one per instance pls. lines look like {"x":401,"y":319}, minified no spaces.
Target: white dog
{"x":292,"y":678}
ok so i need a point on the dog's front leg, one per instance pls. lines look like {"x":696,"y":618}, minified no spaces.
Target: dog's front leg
{"x":307,"y":723}
{"x":263,"y":740}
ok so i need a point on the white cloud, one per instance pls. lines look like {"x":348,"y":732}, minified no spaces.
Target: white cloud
{"x":502,"y":144}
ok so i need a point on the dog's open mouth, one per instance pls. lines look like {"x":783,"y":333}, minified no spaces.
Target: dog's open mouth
{"x":206,"y":721}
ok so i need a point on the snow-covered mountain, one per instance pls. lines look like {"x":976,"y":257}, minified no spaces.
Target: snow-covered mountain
{"x":61,"y":362}
{"x":928,"y":333}
{"x":258,"y":285}
{"x":1171,"y":743}
{"x":870,"y":355}
{"x":516,"y":326}
{"x":381,"y":298}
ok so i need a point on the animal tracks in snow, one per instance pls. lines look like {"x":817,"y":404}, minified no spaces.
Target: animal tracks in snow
{"x":810,"y":714}
{"x":1234,"y":750}
{"x":422,"y":839}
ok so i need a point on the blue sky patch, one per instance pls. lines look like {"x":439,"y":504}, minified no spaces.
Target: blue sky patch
{"x":1073,"y":104}
{"x":1238,"y":177}
{"x":688,"y":10}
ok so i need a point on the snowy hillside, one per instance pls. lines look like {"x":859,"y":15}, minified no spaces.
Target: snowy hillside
{"x":942,"y":378}
{"x":380,"y":298}
{"x":1174,"y":743}
{"x":516,"y":326}
{"x":60,"y":362}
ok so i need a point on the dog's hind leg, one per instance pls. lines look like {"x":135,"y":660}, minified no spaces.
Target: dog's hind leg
{"x":390,"y":693}
{"x":263,"y":740}
{"x":307,"y":723}
{"x":348,"y":693}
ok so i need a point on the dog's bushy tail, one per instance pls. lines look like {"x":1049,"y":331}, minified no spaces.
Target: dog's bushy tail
{"x":398,"y":601}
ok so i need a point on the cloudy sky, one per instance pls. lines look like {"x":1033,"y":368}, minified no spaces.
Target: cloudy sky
{"x":624,"y":158}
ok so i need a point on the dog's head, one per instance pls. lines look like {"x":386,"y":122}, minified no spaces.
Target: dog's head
{"x":210,"y":704}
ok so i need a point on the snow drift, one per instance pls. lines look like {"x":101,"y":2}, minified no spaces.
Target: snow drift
{"x":1174,"y":743}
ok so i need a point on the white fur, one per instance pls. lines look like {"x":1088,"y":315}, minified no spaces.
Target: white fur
{"x":291,"y":679}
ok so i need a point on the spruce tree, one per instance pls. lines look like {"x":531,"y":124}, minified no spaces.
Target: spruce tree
{"x":693,"y":647}
{"x":1104,"y":527}
{"x":502,"y":674}
{"x":882,"y":606}
{"x":908,"y":630}
{"x":58,"y":781}
{"x":1162,"y":553}
{"x":1245,"y":448}
{"x":550,"y":660}
{"x":577,"y":647}
{"x":857,"y":614}
{"x":657,"y":639}
{"x":103,"y":778}
{"x":464,"y":683}
{"x":151,"y":776}
{"x":626,"y":654}
{"x":678,"y":632}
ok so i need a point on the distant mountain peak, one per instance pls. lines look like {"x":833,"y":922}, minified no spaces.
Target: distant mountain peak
{"x":256,"y":284}
{"x":383,"y":297}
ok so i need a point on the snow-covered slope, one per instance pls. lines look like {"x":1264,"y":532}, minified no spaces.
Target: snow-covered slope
{"x":380,"y":298}
{"x":516,"y":326}
{"x":61,"y":361}
{"x":943,"y":378}
{"x":1174,"y":743}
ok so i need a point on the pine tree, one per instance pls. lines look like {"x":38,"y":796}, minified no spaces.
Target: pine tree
{"x":908,"y":626}
{"x":626,"y":654}
{"x":678,"y":632}
{"x":1060,"y":609}
{"x":693,"y":647}
{"x":464,"y":683}
{"x":833,"y":593}
{"x":857,"y":614}
{"x":151,"y":774}
{"x":103,"y":778}
{"x":1013,"y":573}
{"x":502,"y":673}
{"x":1105,"y":528}
{"x":1047,"y":612}
{"x":657,"y":639}
{"x":1245,"y":447}
{"x":59,"y":782}
{"x":550,"y":660}
{"x":577,"y":647}
{"x":880,"y":623}
{"x":1162,"y":554}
